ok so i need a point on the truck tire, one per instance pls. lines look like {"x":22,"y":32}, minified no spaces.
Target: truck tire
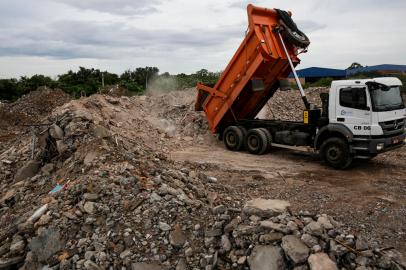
{"x":233,"y":138}
{"x":269,"y":137}
{"x":244,"y":133}
{"x":256,"y":141}
{"x":292,"y":32}
{"x":335,"y":151}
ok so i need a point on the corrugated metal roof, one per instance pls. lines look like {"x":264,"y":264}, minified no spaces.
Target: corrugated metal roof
{"x":331,"y":72}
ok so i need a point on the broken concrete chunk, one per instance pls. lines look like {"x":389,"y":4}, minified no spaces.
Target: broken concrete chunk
{"x":28,"y":170}
{"x":296,"y":250}
{"x":17,"y":245}
{"x":321,"y":261}
{"x":266,"y":258}
{"x":61,"y":147}
{"x":269,"y":225}
{"x":89,"y":158}
{"x":265,"y":208}
{"x":314,"y":228}
{"x":164,"y":226}
{"x":101,"y":132}
{"x":270,"y":237}
{"x":309,"y":240}
{"x":46,"y":244}
{"x":361,"y":243}
{"x":56,"y":132}
{"x":225,"y":243}
{"x":325,"y":222}
{"x":89,"y":265}
{"x":176,"y":237}
{"x":145,"y":266}
{"x":90,"y":197}
{"x":90,"y":207}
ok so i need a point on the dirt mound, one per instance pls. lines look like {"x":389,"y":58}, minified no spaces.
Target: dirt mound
{"x":288,"y":105}
{"x":31,"y":108}
{"x":177,"y":109}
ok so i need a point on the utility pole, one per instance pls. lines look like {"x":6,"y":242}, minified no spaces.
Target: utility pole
{"x":102,"y":79}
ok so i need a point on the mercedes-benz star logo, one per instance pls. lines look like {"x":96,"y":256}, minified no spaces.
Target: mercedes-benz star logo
{"x":395,"y":124}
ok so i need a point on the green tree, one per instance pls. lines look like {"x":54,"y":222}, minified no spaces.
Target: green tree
{"x":8,"y":89}
{"x":355,"y":65}
{"x":140,"y":76}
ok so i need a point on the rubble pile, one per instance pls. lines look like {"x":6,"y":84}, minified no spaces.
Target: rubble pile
{"x":288,"y":105}
{"x":177,"y":107}
{"x":32,"y":107}
{"x":96,"y":190}
{"x":266,"y":235}
{"x":98,"y":194}
{"x":27,"y":113}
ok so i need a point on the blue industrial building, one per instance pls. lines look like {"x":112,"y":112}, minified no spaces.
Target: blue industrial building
{"x":314,"y":74}
{"x":379,"y":68}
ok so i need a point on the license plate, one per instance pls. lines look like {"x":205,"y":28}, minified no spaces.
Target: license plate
{"x":395,"y":141}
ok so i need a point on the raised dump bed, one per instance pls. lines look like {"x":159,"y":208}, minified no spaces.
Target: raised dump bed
{"x":253,"y":74}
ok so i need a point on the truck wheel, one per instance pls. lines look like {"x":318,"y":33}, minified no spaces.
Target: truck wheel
{"x":256,"y":141}
{"x":244,"y":135}
{"x":269,"y":138}
{"x":336,"y":153}
{"x":233,"y":137}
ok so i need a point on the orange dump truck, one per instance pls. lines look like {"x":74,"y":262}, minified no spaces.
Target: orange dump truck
{"x":358,"y":118}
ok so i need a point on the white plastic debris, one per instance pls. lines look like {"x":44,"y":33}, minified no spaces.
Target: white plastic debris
{"x":37,"y":214}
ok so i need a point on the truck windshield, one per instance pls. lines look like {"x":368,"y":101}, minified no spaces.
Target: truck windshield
{"x":386,"y":98}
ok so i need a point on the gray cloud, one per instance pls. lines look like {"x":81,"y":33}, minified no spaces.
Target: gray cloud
{"x":79,"y":39}
{"x":185,"y":36}
{"x":121,"y":7}
{"x":309,"y":26}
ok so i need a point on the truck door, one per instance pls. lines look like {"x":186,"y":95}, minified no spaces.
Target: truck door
{"x":354,"y":109}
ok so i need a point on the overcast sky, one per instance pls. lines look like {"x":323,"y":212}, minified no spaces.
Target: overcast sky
{"x":52,"y":36}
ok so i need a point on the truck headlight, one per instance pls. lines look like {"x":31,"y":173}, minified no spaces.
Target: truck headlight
{"x":380,"y":146}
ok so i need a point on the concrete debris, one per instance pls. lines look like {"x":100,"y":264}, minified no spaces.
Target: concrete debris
{"x":28,"y":170}
{"x":266,"y":258}
{"x":177,"y":238}
{"x":46,"y":244}
{"x":56,"y":132}
{"x":295,"y":249}
{"x":321,"y":261}
{"x":126,"y":205}
{"x":265,"y":208}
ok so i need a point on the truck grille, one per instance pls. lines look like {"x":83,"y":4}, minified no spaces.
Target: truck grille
{"x":393,"y":127}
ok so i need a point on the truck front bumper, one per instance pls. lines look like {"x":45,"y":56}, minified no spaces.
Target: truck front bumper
{"x":381,"y":145}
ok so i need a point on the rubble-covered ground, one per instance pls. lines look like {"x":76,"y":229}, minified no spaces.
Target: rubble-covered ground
{"x":117,"y":183}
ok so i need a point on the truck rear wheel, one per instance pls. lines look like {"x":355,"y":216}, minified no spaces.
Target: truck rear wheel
{"x":269,"y":137}
{"x":336,"y":153}
{"x":233,"y":137}
{"x":256,"y":141}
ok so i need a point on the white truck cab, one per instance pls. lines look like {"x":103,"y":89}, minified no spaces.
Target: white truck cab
{"x":368,"y":116}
